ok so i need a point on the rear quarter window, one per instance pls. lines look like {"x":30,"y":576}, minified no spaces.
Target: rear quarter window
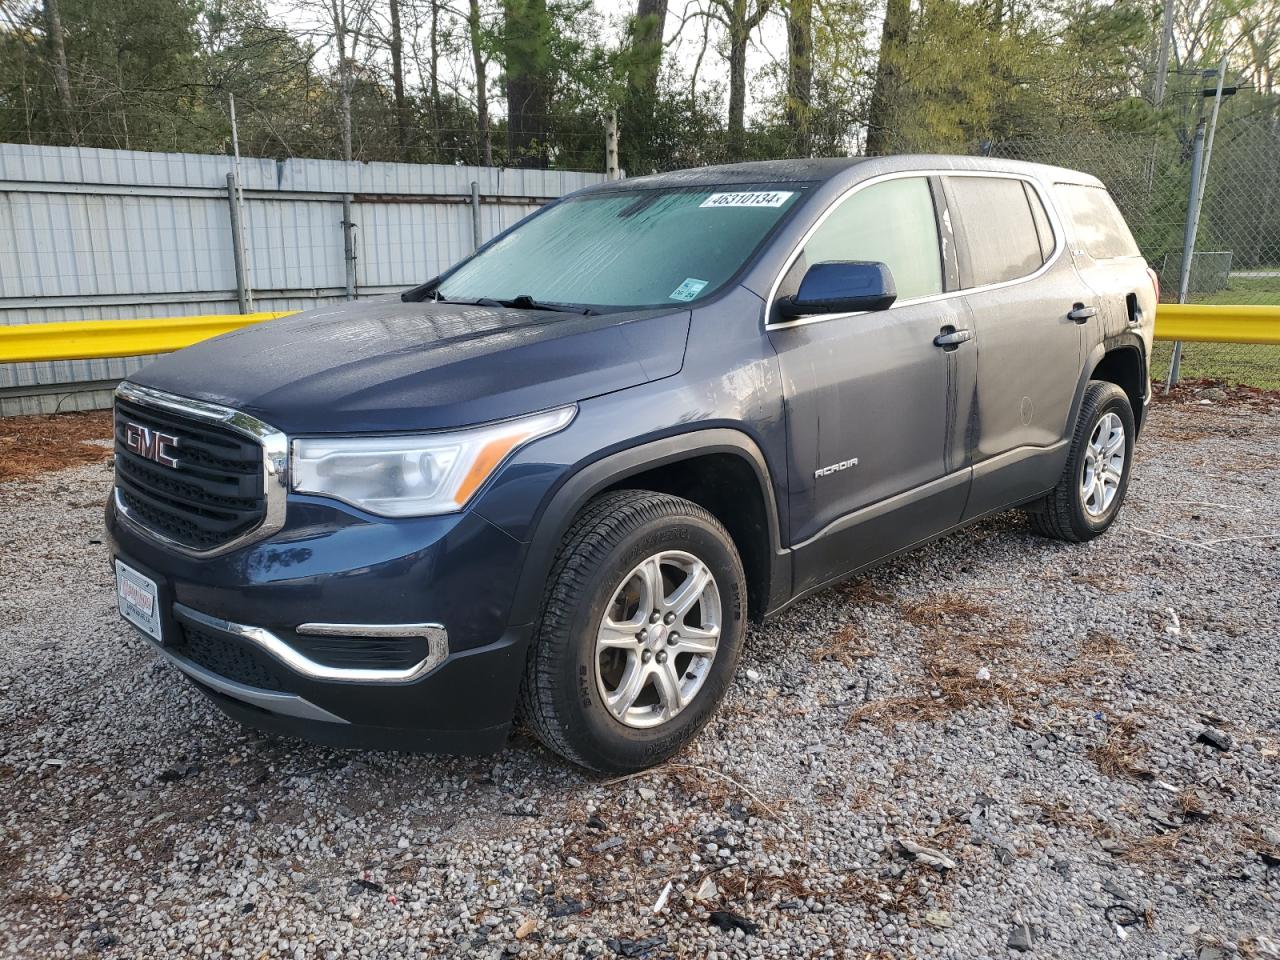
{"x":1099,"y":227}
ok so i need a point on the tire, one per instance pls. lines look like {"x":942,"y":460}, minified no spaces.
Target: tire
{"x":1075,"y":510}
{"x":618,"y":548}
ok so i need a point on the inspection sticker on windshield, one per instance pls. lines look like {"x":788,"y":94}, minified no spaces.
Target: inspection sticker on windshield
{"x":754,"y":198}
{"x":689,"y":289}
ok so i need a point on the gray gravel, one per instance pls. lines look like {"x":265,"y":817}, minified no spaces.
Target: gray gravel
{"x":1042,"y":725}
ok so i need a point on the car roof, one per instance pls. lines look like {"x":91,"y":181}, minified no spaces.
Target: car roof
{"x":822,"y":169}
{"x":755,"y":171}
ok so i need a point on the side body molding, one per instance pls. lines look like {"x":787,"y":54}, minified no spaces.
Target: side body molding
{"x":608,"y":471}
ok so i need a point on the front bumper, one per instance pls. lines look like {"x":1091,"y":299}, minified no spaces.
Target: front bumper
{"x":272,"y":632}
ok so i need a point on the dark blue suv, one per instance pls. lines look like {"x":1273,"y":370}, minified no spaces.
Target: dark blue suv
{"x":556,"y":481}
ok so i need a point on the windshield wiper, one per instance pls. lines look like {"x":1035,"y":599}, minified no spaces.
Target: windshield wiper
{"x":526,"y":302}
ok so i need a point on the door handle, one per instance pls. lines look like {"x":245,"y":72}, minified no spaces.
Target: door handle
{"x":1082,"y":314}
{"x":951,"y":338}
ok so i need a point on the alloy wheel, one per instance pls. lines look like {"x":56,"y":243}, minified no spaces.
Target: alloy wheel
{"x":657,"y":639}
{"x":1103,"y":468}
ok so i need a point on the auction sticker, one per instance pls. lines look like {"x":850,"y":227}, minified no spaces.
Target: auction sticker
{"x":753,"y":198}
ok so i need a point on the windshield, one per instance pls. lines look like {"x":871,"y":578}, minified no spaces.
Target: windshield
{"x":629,"y":248}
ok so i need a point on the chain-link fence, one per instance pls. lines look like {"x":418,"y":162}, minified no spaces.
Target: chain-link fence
{"x":1237,"y":255}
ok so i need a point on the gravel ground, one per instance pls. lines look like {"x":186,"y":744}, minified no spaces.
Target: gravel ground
{"x":996,"y":745}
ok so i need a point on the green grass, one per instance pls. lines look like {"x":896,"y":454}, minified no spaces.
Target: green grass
{"x":1247,"y":290}
{"x":1251,"y":364}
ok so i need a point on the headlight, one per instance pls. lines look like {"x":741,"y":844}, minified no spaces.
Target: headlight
{"x":418,"y":475}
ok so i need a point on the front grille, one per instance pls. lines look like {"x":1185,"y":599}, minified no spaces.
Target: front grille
{"x":362,"y":653}
{"x":227,"y":656}
{"x":214,"y":494}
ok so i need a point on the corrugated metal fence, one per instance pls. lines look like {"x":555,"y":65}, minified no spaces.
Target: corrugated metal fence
{"x":110,"y":234}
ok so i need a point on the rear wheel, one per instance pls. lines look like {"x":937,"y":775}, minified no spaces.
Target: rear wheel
{"x":639,"y":634}
{"x":1090,"y":491}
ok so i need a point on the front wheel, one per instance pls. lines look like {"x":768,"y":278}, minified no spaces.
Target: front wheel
{"x":639,"y":634}
{"x":1089,"y":493}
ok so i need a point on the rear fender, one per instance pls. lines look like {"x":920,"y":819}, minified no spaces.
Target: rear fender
{"x":1127,"y":340}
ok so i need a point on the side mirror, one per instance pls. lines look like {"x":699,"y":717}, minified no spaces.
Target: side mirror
{"x":841,"y":286}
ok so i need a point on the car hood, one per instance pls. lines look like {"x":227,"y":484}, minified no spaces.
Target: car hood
{"x":394,"y":366}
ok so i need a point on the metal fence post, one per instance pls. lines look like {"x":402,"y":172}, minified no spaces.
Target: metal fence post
{"x":475,"y":215}
{"x":349,"y":245}
{"x":1194,"y":194}
{"x":239,"y":201}
{"x":237,"y":245}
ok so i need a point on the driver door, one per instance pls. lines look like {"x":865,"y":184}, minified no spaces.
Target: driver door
{"x":874,"y":409}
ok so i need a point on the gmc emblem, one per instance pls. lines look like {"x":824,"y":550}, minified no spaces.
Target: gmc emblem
{"x":151,"y":444}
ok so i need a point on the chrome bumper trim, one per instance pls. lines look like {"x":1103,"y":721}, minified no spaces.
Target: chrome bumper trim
{"x":275,"y":461}
{"x":435,"y":634}
{"x":285,"y":704}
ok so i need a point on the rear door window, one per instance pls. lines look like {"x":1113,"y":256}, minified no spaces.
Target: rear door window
{"x":1100,"y":228}
{"x":893,"y":222}
{"x":997,"y":228}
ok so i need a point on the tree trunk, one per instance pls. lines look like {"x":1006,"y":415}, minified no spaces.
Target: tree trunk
{"x":525,"y":45}
{"x":893,"y":43}
{"x":61,"y":78}
{"x":434,"y":79}
{"x":646,"y":46}
{"x":737,"y":97}
{"x":739,"y":34}
{"x":800,"y":72}
{"x":740,"y":20}
{"x":397,"y":81}
{"x":697,"y":63}
{"x":344,"y":78}
{"x":484,"y":145}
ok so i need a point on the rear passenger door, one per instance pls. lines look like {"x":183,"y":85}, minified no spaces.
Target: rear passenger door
{"x":1020,"y":290}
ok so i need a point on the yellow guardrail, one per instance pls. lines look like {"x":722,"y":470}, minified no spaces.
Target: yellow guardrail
{"x":96,"y":339}
{"x":1217,"y":323}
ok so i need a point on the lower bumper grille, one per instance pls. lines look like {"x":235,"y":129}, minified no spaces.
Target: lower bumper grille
{"x":363,"y":653}
{"x":228,"y":657}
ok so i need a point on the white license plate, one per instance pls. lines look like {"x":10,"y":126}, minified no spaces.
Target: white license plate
{"x":138,"y":599}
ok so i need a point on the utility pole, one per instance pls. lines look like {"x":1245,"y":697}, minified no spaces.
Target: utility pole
{"x":1188,"y":244}
{"x":1193,"y":216}
{"x":1195,"y":200}
{"x":1213,"y":128}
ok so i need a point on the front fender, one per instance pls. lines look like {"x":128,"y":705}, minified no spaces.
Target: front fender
{"x":571,"y":495}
